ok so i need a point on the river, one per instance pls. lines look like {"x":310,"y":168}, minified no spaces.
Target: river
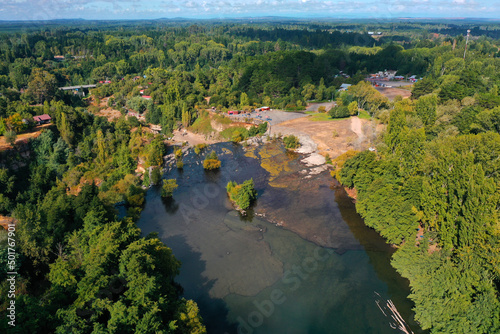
{"x":300,"y":261}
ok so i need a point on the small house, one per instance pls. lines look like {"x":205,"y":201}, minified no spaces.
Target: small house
{"x":344,"y":87}
{"x":42,"y":119}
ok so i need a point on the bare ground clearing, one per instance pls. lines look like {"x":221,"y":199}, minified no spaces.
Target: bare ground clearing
{"x":193,"y":139}
{"x":391,"y":93}
{"x":332,"y":137}
{"x":24,"y":137}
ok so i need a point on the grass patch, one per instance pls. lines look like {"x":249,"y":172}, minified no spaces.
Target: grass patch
{"x":229,"y":132}
{"x":320,"y":117}
{"x":222,"y":120}
{"x":325,"y":117}
{"x":202,"y":125}
{"x":363,"y":114}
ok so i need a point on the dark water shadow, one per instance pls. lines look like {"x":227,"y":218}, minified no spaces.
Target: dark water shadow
{"x":380,"y":254}
{"x":196,"y":286}
{"x":170,"y":205}
{"x":248,"y":216}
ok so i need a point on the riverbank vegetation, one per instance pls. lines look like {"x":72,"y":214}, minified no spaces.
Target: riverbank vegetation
{"x":81,"y":268}
{"x":432,"y":189}
{"x":291,"y":142}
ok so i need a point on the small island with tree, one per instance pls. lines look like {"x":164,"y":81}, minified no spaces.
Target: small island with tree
{"x":211,"y":161}
{"x":243,"y":195}
{"x":168,"y":187}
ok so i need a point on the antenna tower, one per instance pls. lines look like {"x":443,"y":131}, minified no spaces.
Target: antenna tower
{"x":466,"y":42}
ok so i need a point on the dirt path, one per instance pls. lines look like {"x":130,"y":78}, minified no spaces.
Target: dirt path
{"x":356,"y":127}
{"x":24,"y":137}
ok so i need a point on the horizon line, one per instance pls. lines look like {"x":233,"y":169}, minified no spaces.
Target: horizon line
{"x":310,"y":18}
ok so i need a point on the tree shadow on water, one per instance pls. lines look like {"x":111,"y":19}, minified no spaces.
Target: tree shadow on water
{"x":170,"y":205}
{"x":379,"y":253}
{"x":197,"y":287}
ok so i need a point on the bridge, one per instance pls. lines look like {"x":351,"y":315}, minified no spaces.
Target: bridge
{"x":77,"y":87}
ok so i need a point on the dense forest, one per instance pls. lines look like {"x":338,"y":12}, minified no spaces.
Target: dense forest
{"x":431,"y":187}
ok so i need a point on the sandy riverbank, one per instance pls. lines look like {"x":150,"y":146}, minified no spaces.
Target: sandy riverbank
{"x":332,"y":137}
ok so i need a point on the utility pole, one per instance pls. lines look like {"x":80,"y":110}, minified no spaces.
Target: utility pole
{"x":466,"y":42}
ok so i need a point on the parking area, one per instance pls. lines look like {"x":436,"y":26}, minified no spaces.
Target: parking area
{"x":272,"y":116}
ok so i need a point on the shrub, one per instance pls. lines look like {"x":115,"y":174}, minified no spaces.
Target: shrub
{"x":339,"y":112}
{"x":178,"y":154}
{"x":253,"y":131}
{"x":291,"y":142}
{"x":168,"y":187}
{"x":155,"y":176}
{"x":211,"y":162}
{"x":262,"y":128}
{"x":321,"y":109}
{"x":180,"y":164}
{"x":10,"y":137}
{"x":242,"y":194}
{"x":198,"y":148}
{"x":353,"y":108}
{"x":257,"y":130}
{"x":146,"y":181}
{"x":237,"y":137}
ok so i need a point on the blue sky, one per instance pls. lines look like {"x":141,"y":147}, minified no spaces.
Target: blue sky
{"x":151,"y":9}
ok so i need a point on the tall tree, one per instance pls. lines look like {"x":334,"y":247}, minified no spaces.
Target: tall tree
{"x":42,"y":85}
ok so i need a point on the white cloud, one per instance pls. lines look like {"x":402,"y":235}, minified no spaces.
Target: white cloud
{"x":50,"y":9}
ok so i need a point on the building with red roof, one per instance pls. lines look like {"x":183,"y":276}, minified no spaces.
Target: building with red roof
{"x":42,"y":119}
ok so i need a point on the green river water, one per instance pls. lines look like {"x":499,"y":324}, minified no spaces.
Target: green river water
{"x":301,"y":261}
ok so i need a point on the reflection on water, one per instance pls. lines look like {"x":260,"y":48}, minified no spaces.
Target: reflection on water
{"x":252,"y":276}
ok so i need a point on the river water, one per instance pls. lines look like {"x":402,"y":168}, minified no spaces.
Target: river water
{"x":301,"y":261}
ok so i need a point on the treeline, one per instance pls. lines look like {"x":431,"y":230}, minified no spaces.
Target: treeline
{"x":180,"y":67}
{"x":317,"y":39}
{"x":432,"y":189}
{"x":81,"y":268}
